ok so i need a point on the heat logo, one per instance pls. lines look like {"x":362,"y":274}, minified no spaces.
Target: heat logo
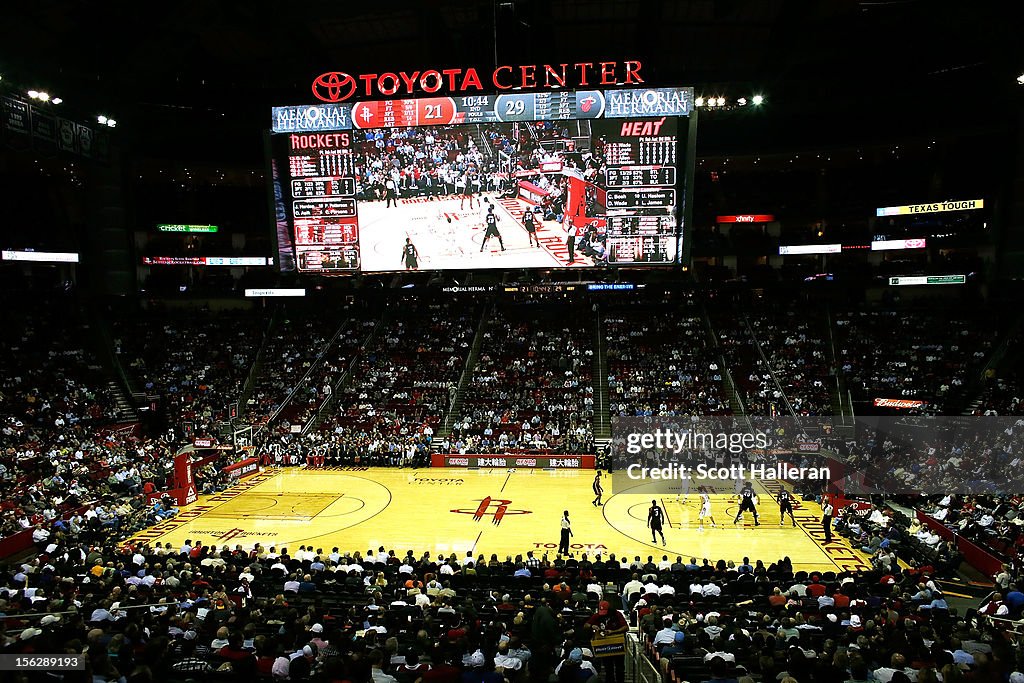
{"x":500,"y":509}
{"x":334,"y":86}
{"x":587,"y":103}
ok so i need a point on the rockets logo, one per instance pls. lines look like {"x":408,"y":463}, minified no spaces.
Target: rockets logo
{"x":498,"y":513}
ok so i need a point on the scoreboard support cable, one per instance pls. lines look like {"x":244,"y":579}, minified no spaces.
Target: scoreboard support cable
{"x":686,"y":231}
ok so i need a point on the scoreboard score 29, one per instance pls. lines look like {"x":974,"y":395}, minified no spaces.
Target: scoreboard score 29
{"x":566,"y":179}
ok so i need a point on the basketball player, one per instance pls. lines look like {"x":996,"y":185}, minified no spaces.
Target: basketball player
{"x":563,"y":543}
{"x":705,"y":512}
{"x":655,"y":518}
{"x":410,"y":255}
{"x":785,"y":505}
{"x":746,"y":499}
{"x":491,"y":229}
{"x":684,"y":489}
{"x":531,"y":226}
{"x":466,"y":183}
{"x":598,"y":490}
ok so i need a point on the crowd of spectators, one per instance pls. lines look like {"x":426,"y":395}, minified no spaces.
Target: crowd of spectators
{"x":194,"y":363}
{"x":797,"y":348}
{"x":926,"y":355}
{"x":532,"y":386}
{"x":401,"y":387}
{"x":661,"y":364}
{"x":431,"y":162}
{"x":993,"y":522}
{"x":294,"y":344}
{"x":753,"y":377}
{"x":167,"y":613}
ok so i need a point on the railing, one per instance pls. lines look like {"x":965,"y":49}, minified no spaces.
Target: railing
{"x":602,"y":421}
{"x":838,"y":396}
{"x":346,"y":377}
{"x":639,"y":668}
{"x":250,"y":379}
{"x":302,"y":380}
{"x":467,"y":372}
{"x":768,"y":365}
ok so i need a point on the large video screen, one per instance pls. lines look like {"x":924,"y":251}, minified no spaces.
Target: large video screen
{"x":581,"y":192}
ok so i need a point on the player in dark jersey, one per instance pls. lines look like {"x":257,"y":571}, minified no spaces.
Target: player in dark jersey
{"x":491,"y":229}
{"x":467,"y":183}
{"x":786,"y":505}
{"x":531,"y":226}
{"x":598,"y":490}
{"x":655,"y":519}
{"x":746,"y":498}
{"x":410,"y":255}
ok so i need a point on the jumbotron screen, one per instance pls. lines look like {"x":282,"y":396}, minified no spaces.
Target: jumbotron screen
{"x":580,"y":179}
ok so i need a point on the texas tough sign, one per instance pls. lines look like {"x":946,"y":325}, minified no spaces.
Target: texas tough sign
{"x":338,"y":86}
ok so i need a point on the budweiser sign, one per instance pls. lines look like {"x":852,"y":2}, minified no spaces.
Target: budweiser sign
{"x":338,"y":86}
{"x":898,"y":403}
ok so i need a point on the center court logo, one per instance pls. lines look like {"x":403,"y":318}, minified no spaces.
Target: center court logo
{"x":500,"y":509}
{"x":334,"y":86}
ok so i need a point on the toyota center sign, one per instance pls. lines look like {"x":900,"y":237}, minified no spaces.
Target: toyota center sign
{"x":338,"y":86}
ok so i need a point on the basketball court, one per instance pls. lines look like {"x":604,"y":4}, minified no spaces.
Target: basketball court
{"x":449,"y":236}
{"x":490,"y":510}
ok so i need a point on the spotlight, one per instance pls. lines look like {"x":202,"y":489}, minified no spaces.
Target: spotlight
{"x":57,"y":100}
{"x":757,"y":100}
{"x":45,"y":97}
{"x":721,"y":101}
{"x":1020,"y":79}
{"x":741,"y":101}
{"x":101,"y":119}
{"x":699,"y":101}
{"x":111,"y":122}
{"x":34,"y":94}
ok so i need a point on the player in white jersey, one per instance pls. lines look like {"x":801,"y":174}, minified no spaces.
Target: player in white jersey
{"x":705,"y":512}
{"x":684,"y":489}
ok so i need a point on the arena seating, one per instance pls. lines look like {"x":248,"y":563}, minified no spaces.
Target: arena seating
{"x":291,"y":350}
{"x":797,"y":348}
{"x":532,"y":386}
{"x":400,"y":386}
{"x":660,"y":364}
{"x":194,"y":362}
{"x":920,"y":354}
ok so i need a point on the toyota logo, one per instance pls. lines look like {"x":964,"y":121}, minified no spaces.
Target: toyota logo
{"x":334,"y":86}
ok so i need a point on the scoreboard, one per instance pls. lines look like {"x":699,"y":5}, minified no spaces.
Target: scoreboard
{"x":600,"y":170}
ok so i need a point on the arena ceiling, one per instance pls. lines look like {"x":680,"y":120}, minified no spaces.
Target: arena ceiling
{"x":232,"y":60}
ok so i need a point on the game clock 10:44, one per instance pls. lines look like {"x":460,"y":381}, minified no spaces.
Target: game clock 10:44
{"x":561,"y":179}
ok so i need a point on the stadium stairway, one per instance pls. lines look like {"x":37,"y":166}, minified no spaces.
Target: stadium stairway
{"x":119,"y":386}
{"x":257,"y":363}
{"x":125,"y":408}
{"x":602,"y":419}
{"x":317,"y":362}
{"x":768,"y":365}
{"x":455,"y":408}
{"x":482,"y":143}
{"x":837,"y":388}
{"x":1007,"y":354}
{"x":343,"y":381}
{"x":735,"y":400}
